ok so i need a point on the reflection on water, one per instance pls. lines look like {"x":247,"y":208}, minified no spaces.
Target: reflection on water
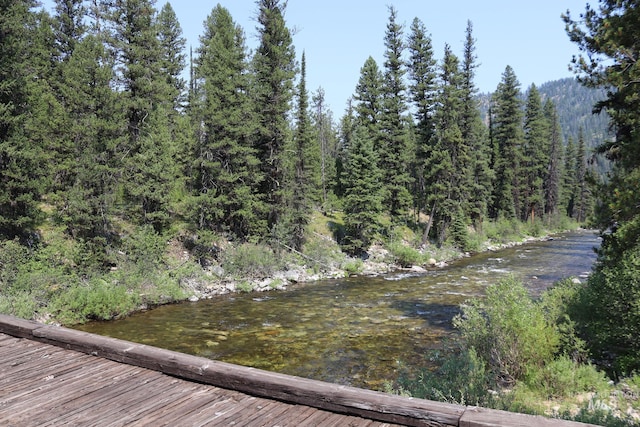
{"x":352,"y":331}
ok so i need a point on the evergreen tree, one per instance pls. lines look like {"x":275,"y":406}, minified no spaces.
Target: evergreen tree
{"x":274,"y":71}
{"x":227,"y":164}
{"x":394,"y":148}
{"x":535,"y":158}
{"x":474,"y":138}
{"x":583,"y":197}
{"x":20,"y":158}
{"x":134,"y":39}
{"x":368,"y":99}
{"x":97,"y":133}
{"x":305,"y":183}
{"x":327,"y":141}
{"x":507,"y":135}
{"x":569,"y":184}
{"x":552,"y":182}
{"x":423,"y":91}
{"x":70,"y":26}
{"x":172,"y":61}
{"x":449,"y":160}
{"x":606,"y":36}
{"x":362,"y":199}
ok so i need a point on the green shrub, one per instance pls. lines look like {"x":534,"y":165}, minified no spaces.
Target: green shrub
{"x":353,"y":266}
{"x":460,"y":378}
{"x":508,"y":331}
{"x":563,"y":377}
{"x":404,"y":255}
{"x":95,"y":300}
{"x":20,"y":304}
{"x":244,"y":286}
{"x":323,"y":254}
{"x":250,"y":260}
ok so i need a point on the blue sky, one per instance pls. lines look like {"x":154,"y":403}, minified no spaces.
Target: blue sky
{"x":338,"y":36}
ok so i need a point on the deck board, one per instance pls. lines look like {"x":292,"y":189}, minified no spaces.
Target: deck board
{"x":45,"y":385}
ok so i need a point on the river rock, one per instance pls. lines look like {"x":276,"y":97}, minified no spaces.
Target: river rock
{"x":432,"y":262}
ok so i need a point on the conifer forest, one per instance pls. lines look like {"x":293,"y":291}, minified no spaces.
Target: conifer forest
{"x":116,"y":138}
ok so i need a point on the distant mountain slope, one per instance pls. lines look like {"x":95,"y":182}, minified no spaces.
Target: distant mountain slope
{"x":574,"y":104}
{"x":575,"y":109}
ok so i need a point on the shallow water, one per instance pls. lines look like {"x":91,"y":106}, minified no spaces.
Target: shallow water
{"x":354,"y":331}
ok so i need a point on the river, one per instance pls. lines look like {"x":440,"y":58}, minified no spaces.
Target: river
{"x":354,"y":331}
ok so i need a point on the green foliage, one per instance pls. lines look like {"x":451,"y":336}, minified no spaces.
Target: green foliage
{"x":404,"y":255}
{"x":244,"y":286}
{"x":503,"y":230}
{"x":353,"y":266}
{"x":95,"y":300}
{"x":325,"y":254}
{"x":250,"y":260}
{"x":460,"y":378}
{"x":563,"y":377}
{"x":508,"y":331}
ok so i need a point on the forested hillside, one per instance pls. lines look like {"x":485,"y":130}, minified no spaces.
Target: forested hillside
{"x":107,"y":153}
{"x":575,"y":103}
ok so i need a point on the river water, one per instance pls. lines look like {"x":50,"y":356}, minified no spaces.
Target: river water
{"x":355,"y":331}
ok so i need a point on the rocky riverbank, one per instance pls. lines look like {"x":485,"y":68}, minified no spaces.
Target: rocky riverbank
{"x":379,"y":260}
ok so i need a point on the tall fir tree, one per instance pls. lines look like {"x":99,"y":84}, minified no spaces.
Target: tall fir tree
{"x":475,"y":138}
{"x":422,"y":92}
{"x":606,"y":37}
{"x":569,"y":179}
{"x":552,"y":181}
{"x":306,"y":161}
{"x":362,"y":197}
{"x":21,"y":183}
{"x":172,"y":60}
{"x":97,"y":133}
{"x":227,"y":166}
{"x":274,"y":71}
{"x":70,"y":26}
{"x":507,"y":135}
{"x":535,"y":157}
{"x":583,"y":194}
{"x":327,"y":141}
{"x":449,"y":161}
{"x":394,"y":143}
{"x":368,"y":97}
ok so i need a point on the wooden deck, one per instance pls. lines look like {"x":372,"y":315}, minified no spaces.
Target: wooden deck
{"x":52,"y":376}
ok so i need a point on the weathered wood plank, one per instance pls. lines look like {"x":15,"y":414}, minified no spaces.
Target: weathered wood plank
{"x":329,"y":400}
{"x":482,"y":417}
{"x":332,"y":397}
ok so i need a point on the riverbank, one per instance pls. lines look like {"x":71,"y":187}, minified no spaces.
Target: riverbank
{"x":380,"y":259}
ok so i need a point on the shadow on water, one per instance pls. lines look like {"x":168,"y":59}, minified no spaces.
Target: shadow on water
{"x":354,"y":331}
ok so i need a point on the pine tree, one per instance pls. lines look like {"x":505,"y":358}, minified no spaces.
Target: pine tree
{"x":274,"y":72}
{"x":507,"y":135}
{"x":97,"y":133}
{"x":305,"y":183}
{"x":475,"y":139}
{"x":569,"y":184}
{"x":362,"y":199}
{"x":583,"y":195}
{"x":368,"y":99}
{"x":423,"y":91}
{"x":394,"y":148}
{"x":327,"y":141}
{"x":20,"y":159}
{"x":70,"y":26}
{"x":144,"y":90}
{"x":172,"y":62}
{"x":606,"y":38}
{"x":552,"y":181}
{"x":449,"y":161}
{"x":227,"y":164}
{"x":535,"y":156}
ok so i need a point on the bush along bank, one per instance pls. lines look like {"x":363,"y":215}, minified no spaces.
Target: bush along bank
{"x":57,"y":281}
